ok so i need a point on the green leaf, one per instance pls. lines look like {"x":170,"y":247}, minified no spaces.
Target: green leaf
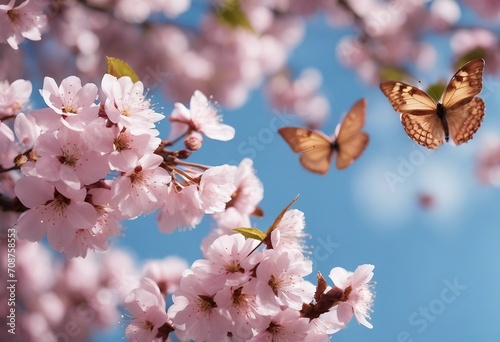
{"x":251,"y":233}
{"x":119,"y":68}
{"x":393,"y":74}
{"x":435,"y":90}
{"x":478,"y":52}
{"x":231,"y":14}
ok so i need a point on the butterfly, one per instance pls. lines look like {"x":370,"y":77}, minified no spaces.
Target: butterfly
{"x":458,"y":114}
{"x":317,"y":149}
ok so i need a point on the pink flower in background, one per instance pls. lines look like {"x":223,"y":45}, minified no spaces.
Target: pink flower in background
{"x":147,"y":306}
{"x":357,"y":292}
{"x":488,"y":161}
{"x":166,"y":273}
{"x":300,"y":97}
{"x":23,"y":21}
{"x":125,"y":104}
{"x":13,"y":97}
{"x":69,"y":104}
{"x":200,"y":117}
{"x":141,"y":189}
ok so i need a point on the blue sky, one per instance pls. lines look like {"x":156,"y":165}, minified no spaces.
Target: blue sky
{"x":436,"y":270}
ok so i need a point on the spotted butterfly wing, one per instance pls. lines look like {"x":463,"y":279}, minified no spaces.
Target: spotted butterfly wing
{"x":317,"y":149}
{"x":459,"y":113}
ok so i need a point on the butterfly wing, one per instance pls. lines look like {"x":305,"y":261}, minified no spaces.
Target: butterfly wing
{"x":407,"y":99}
{"x":425,"y":130}
{"x":465,"y":120}
{"x":315,"y":147}
{"x":418,"y":113}
{"x":351,"y":149}
{"x":464,"y":85}
{"x":350,"y":141}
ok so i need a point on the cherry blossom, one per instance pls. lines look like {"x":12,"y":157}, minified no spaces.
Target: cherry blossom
{"x":357,"y":293}
{"x":200,"y":117}
{"x":13,"y":97}
{"x":56,"y":210}
{"x":245,"y":198}
{"x":65,"y":156}
{"x":141,"y":189}
{"x":25,"y":20}
{"x":125,"y":104}
{"x":69,"y":104}
{"x":147,"y":305}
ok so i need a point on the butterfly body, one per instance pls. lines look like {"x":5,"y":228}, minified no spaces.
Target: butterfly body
{"x":318,"y":149}
{"x":441,"y":113}
{"x":458,"y":115}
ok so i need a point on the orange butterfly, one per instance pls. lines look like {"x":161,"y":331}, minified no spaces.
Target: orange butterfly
{"x":317,"y":149}
{"x":459,"y":113}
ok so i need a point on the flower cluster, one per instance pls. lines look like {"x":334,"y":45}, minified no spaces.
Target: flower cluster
{"x":59,"y":299}
{"x":89,"y":165}
{"x":240,"y":293}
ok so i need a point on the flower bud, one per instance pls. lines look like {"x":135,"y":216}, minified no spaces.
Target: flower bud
{"x":193,"y":141}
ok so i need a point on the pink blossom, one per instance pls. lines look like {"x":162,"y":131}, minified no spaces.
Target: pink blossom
{"x":125,"y":104}
{"x":23,"y":21}
{"x":141,"y":189}
{"x":182,"y":208}
{"x":8,"y":148}
{"x":358,"y":292}
{"x":26,"y":129}
{"x":488,"y":161}
{"x":244,"y":200}
{"x":201,"y":117}
{"x":13,"y":96}
{"x":64,"y":155}
{"x":96,"y":237}
{"x":147,"y":306}
{"x":287,"y":325}
{"x":280,"y":280}
{"x":54,"y":210}
{"x":289,"y":233}
{"x":166,"y":273}
{"x":69,"y":104}
{"x":227,"y":262}
{"x":194,"y":312}
{"x":216,"y":188}
{"x":300,"y":96}
{"x":240,"y":301}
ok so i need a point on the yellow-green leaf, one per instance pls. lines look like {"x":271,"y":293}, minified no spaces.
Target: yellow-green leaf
{"x":478,"y":52}
{"x":393,"y":74}
{"x":231,"y":14}
{"x":435,"y":90}
{"x":119,"y":68}
{"x":251,"y":233}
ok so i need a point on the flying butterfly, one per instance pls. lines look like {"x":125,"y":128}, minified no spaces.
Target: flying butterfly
{"x":317,"y":149}
{"x":458,"y":114}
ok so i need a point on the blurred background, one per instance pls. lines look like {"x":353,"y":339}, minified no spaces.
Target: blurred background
{"x":427,"y":220}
